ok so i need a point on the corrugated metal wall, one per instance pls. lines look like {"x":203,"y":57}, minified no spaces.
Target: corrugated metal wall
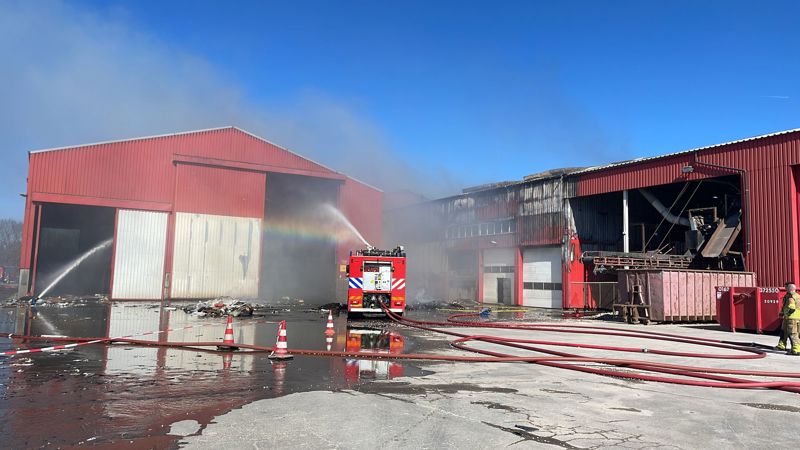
{"x":140,"y":174}
{"x":771,"y":187}
{"x":219,"y":191}
{"x":141,"y":169}
{"x":529,"y":213}
{"x":139,"y":255}
{"x":131,"y":170}
{"x":540,"y":219}
{"x":216,"y":172}
{"x":600,"y":230}
{"x":215,"y":255}
{"x":363,"y":207}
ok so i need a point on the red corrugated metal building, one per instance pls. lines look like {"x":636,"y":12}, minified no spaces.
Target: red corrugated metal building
{"x":187,"y":215}
{"x":766,"y":170}
{"x":547,"y":221}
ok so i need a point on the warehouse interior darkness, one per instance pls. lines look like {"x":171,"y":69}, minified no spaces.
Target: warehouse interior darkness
{"x":702,"y":219}
{"x":298,"y":256}
{"x":66,"y":233}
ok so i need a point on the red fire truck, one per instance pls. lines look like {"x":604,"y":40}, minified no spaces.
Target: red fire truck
{"x":375,"y":278}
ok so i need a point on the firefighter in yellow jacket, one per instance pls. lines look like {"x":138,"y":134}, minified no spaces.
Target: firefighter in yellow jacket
{"x":791,"y":319}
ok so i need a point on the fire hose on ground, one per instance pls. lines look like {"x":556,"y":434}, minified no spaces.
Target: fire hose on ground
{"x":613,"y":367}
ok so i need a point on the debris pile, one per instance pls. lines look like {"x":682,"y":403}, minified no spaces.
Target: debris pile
{"x":220,"y":307}
{"x":331,"y":307}
{"x":439,"y":304}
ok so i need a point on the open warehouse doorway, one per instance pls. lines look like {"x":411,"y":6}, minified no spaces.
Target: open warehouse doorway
{"x":703,"y":222}
{"x":74,"y":248}
{"x":299,"y":245}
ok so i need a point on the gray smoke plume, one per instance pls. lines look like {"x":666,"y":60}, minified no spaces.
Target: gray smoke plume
{"x":71,"y":77}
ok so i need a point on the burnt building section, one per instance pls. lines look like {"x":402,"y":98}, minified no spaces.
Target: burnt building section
{"x":201,"y":214}
{"x":692,"y":224}
{"x":497,"y":243}
{"x":663,"y":232}
{"x":669,"y":228}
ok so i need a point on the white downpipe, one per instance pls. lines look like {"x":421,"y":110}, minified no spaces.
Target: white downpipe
{"x":626,"y":245}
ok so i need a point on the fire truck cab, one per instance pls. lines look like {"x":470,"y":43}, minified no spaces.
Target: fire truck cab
{"x":375,"y":278}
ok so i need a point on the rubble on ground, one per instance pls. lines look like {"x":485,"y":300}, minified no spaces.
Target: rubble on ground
{"x":59,"y":300}
{"x":438,"y":304}
{"x":219,"y":307}
{"x":332,"y":307}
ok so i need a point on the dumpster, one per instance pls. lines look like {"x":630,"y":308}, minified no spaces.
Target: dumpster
{"x":677,"y":295}
{"x":749,"y":308}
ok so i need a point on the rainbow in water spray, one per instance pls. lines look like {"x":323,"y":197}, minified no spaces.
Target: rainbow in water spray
{"x":326,"y":223}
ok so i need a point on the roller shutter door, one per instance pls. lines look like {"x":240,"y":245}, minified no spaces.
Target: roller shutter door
{"x":542,"y":277}
{"x":139,"y":255}
{"x":216,"y":256}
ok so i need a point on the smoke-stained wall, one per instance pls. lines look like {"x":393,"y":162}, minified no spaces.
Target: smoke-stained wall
{"x":446,"y":238}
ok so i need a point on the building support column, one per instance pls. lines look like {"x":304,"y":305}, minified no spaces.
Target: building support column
{"x":518,"y":277}
{"x":626,"y":246}
{"x":37,"y":228}
{"x":479,"y":294}
{"x":113,"y":255}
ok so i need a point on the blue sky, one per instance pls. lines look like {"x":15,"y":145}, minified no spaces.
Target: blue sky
{"x":449,"y":94}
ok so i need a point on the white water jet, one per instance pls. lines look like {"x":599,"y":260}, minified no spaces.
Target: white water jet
{"x":341,"y":217}
{"x":75,"y":264}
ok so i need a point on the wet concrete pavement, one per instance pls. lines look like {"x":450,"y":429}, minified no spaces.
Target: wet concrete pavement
{"x":495,"y":405}
{"x":118,"y":395}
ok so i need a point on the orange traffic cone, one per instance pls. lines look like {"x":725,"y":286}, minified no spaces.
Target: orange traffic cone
{"x":228,"y":339}
{"x":279,"y":352}
{"x":329,"y":327}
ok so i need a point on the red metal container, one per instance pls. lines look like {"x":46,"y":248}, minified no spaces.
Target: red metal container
{"x":749,"y":308}
{"x":680,"y":295}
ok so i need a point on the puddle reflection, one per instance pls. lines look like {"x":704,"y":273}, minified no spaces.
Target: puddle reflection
{"x":120,"y":393}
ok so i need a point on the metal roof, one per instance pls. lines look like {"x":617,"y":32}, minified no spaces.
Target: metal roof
{"x":141,"y":138}
{"x":181,"y":133}
{"x":488,"y":186}
{"x":539,"y":176}
{"x":682,"y":152}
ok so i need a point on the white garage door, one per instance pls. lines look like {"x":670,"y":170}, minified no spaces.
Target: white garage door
{"x":498,"y":275}
{"x":215,"y":256}
{"x":542,"y":277}
{"x":139,"y":255}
